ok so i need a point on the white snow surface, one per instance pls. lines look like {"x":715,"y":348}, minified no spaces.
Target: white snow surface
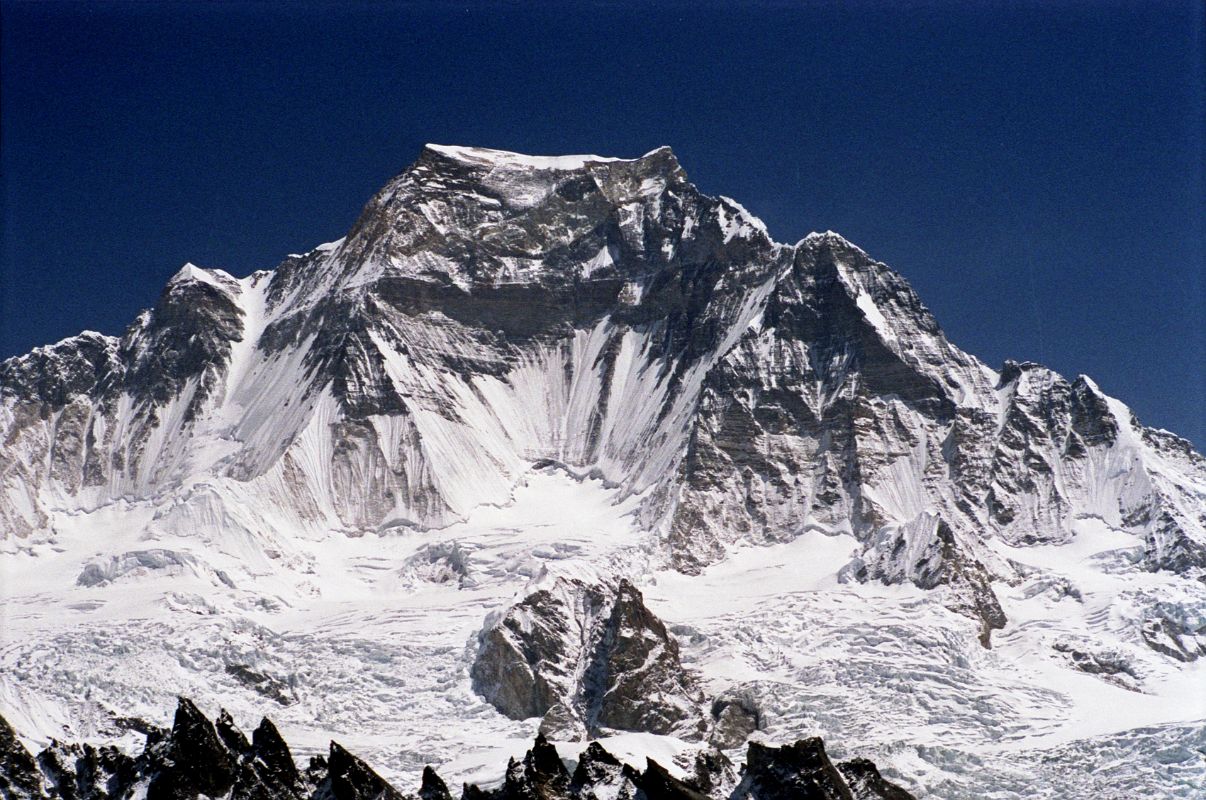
{"x":264,"y":534}
{"x":506,"y":158}
{"x":375,"y":654}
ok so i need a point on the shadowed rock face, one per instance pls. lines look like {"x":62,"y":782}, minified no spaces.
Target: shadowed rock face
{"x":866,"y":783}
{"x":199,"y":758}
{"x":747,"y":389}
{"x":194,"y":760}
{"x":19,"y":776}
{"x":585,"y":658}
{"x":734,"y":718}
{"x":433,"y":786}
{"x":349,"y":778}
{"x":599,"y":774}
{"x":803,"y":771}
{"x":1178,"y":636}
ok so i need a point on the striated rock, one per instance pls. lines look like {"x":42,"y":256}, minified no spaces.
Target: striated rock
{"x":585,"y":658}
{"x":927,"y":553}
{"x":192,"y":761}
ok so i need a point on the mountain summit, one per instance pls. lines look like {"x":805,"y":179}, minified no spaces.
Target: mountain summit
{"x":520,"y":383}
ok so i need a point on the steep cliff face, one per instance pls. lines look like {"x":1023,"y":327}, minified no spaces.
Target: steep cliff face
{"x":529,"y":408}
{"x":391,"y":376}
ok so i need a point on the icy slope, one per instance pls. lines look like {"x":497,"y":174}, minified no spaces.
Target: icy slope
{"x":380,"y":657}
{"x":317,"y":486}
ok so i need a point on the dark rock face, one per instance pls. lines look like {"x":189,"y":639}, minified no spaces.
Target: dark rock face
{"x":800,"y":771}
{"x":712,"y":773}
{"x":272,"y":761}
{"x":194,"y":759}
{"x":788,"y":417}
{"x":803,"y":771}
{"x":867,"y":784}
{"x":585,"y":658}
{"x":636,"y":681}
{"x":600,"y":774}
{"x":266,"y":685}
{"x":734,"y":718}
{"x":199,"y":758}
{"x":525,"y":662}
{"x":1111,"y":666}
{"x":187,"y":334}
{"x":83,"y":772}
{"x":433,"y":786}
{"x":19,"y":776}
{"x":57,"y":373}
{"x":1169,"y":546}
{"x":655,"y":783}
{"x":539,"y":776}
{"x":349,"y":778}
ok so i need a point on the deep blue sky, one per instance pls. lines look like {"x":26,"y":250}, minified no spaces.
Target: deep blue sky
{"x":1034,"y":169}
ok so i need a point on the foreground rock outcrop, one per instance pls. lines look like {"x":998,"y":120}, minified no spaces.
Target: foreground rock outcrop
{"x":198,"y":758}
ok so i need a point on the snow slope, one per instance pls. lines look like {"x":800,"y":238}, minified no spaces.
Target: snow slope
{"x":309,"y":489}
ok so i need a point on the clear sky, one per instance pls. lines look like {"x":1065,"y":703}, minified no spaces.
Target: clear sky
{"x":1034,"y":169}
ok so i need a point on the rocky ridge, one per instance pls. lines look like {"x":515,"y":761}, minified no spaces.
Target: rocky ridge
{"x":199,"y":758}
{"x":586,"y":658}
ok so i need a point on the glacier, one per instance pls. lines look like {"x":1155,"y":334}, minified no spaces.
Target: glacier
{"x":516,"y":371}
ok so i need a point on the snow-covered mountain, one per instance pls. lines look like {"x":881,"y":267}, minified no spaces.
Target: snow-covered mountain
{"x":563,"y":443}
